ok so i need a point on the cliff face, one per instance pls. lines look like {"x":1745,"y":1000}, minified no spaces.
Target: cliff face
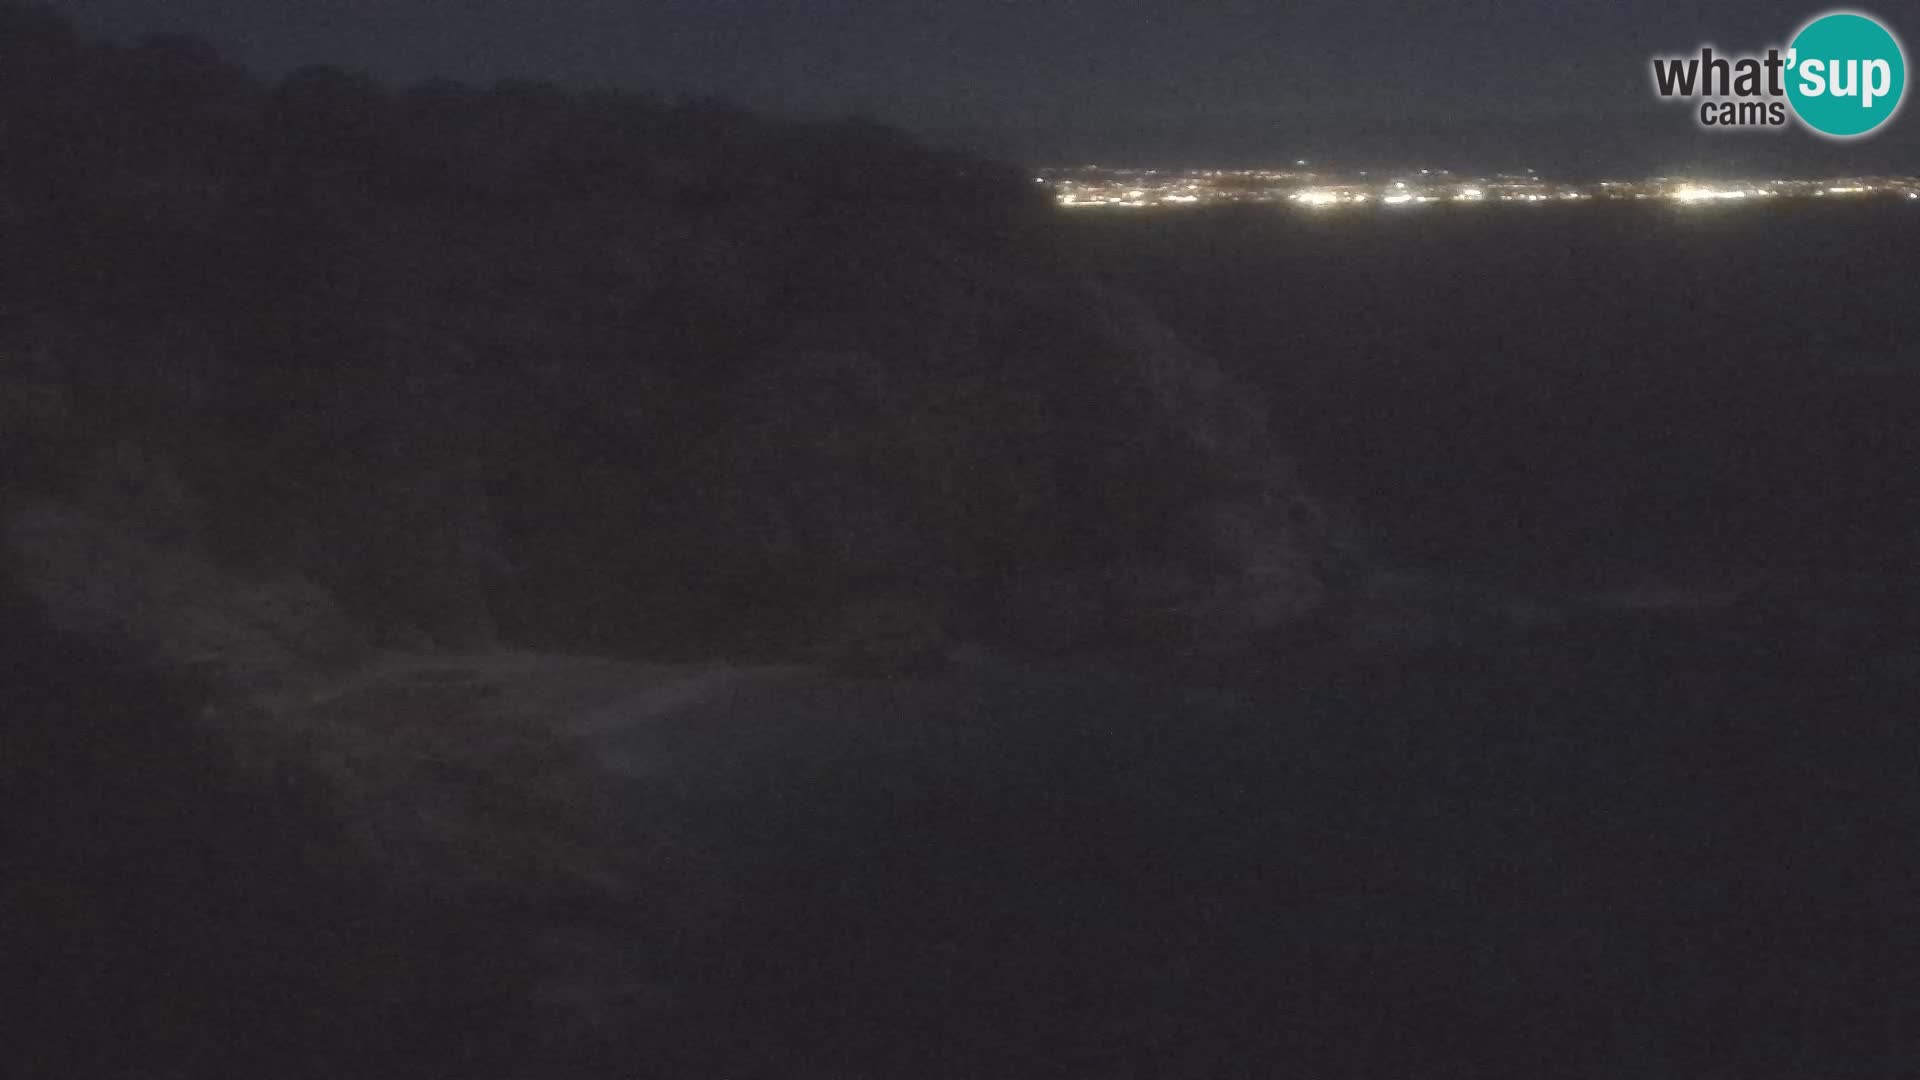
{"x":595,"y":372}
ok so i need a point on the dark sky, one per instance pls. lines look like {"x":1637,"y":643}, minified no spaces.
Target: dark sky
{"x":1451,"y":82}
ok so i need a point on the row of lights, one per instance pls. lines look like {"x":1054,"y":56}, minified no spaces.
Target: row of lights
{"x":1400,"y":196}
{"x":1323,"y":197}
{"x":1686,"y":194}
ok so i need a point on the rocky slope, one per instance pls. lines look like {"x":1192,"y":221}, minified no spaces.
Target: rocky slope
{"x":304,"y":386}
{"x":455,"y":366}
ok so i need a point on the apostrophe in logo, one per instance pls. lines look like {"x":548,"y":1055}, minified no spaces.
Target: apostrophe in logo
{"x":1844,"y":76}
{"x":1848,"y":75}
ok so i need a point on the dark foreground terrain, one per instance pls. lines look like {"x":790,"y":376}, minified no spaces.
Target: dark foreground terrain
{"x":1665,"y":842}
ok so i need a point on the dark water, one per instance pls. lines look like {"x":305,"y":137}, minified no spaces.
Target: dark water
{"x":1674,"y":842}
{"x":1639,"y":846}
{"x":1574,"y":396}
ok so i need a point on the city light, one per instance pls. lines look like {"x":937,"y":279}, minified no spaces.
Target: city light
{"x":1188,"y":188}
{"x":1691,"y":194}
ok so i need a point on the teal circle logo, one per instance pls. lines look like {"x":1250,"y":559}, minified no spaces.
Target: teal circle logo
{"x":1846,"y":75}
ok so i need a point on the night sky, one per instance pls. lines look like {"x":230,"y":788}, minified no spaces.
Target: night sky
{"x":1465,"y":84}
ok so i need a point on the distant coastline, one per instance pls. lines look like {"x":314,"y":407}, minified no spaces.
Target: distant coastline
{"x":1099,"y":187}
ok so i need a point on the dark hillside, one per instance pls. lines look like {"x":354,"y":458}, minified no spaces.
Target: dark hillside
{"x":598,"y":371}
